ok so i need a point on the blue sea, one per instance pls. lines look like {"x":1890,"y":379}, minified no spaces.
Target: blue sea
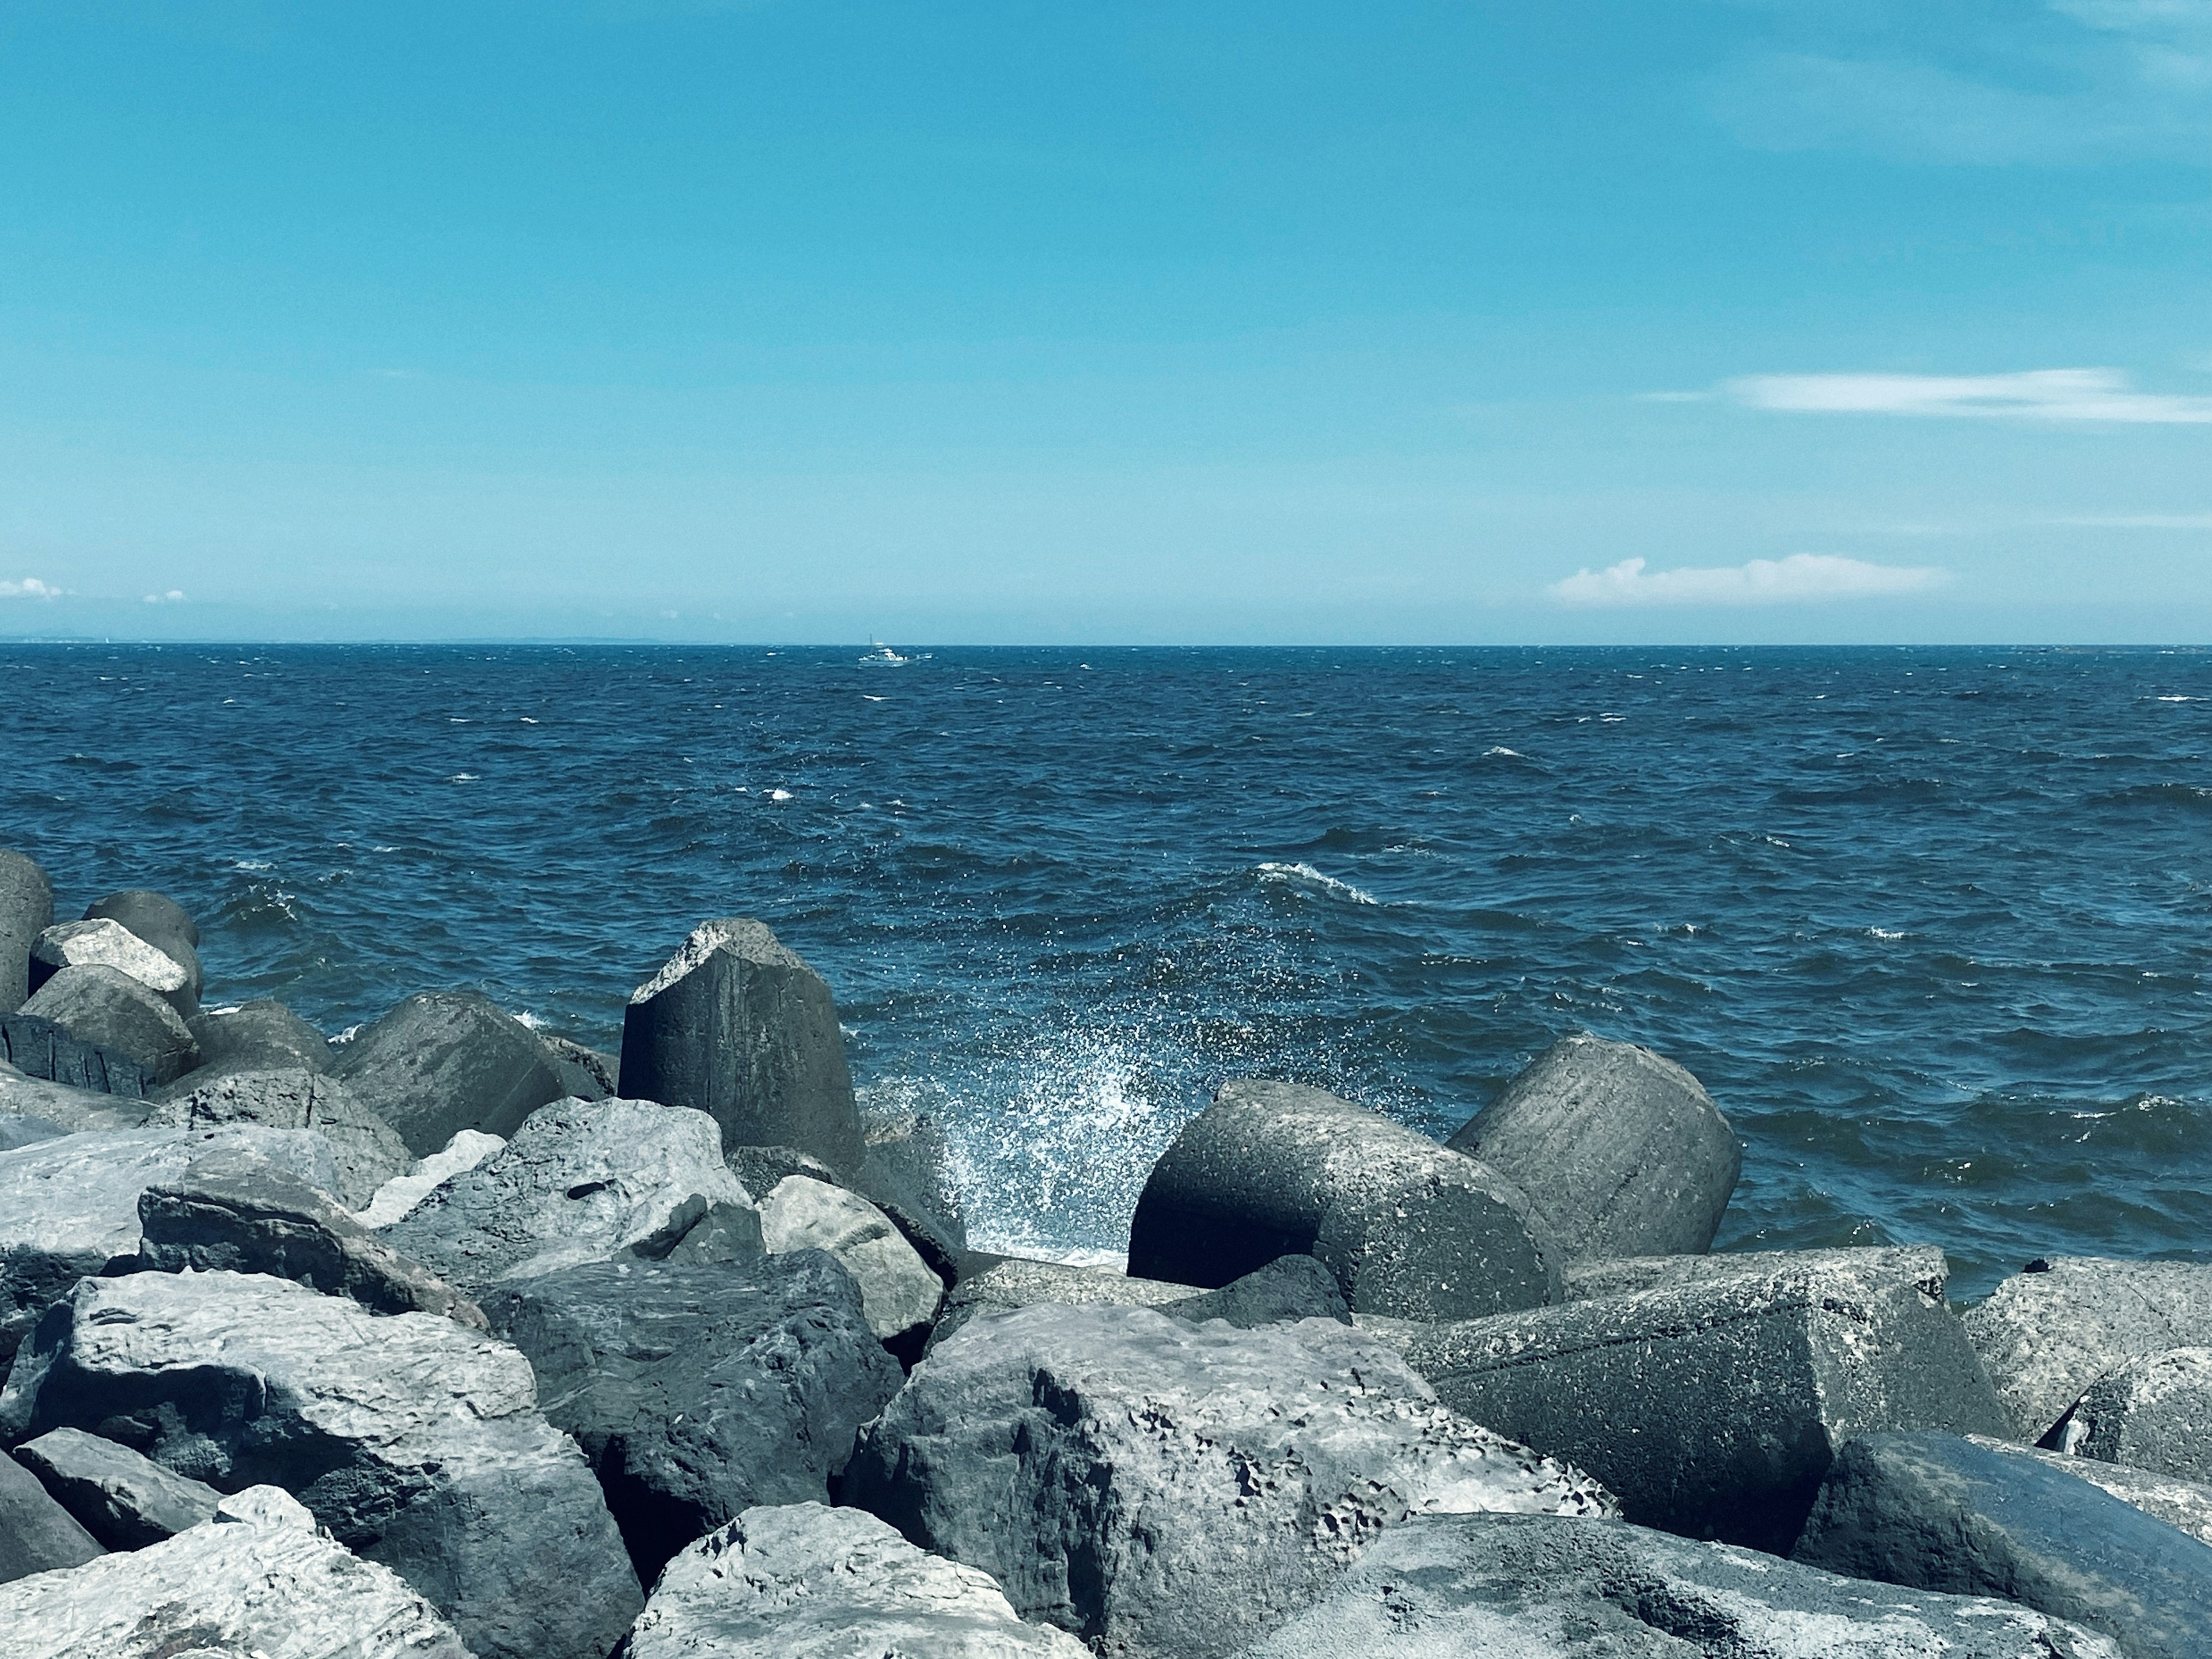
{"x":1934,"y":926}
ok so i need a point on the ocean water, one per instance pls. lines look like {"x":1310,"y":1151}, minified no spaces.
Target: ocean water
{"x":1934,"y":926}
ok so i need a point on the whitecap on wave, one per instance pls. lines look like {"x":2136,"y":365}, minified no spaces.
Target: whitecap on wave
{"x":1305,"y":876}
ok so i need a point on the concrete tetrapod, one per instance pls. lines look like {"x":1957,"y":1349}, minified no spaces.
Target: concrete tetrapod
{"x":26,"y":909}
{"x":40,"y":1049}
{"x":108,"y":1008}
{"x":444,"y":1061}
{"x":259,"y":1036}
{"x":1410,"y":1229}
{"x":2152,"y":1414}
{"x":416,"y":1441}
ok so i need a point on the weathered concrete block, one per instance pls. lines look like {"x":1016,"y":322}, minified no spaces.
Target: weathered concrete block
{"x":37,"y":1534}
{"x":1933,"y":1511}
{"x":699,"y":1392}
{"x":26,"y":909}
{"x":1288,"y":1289}
{"x":1016,"y":1281}
{"x":72,"y":1109}
{"x":1535,"y":1587}
{"x":898,"y":1290}
{"x":1714,"y":1409}
{"x":803,"y":1581}
{"x":584,"y":1072}
{"x":1924,"y":1265}
{"x":110,"y":943}
{"x":737,"y":1026}
{"x":123,"y":1500}
{"x":1620,"y":1150}
{"x":1161,"y":1488}
{"x":43,"y":1051}
{"x":108,"y":1008}
{"x":261,"y":1035}
{"x":444,"y":1061}
{"x":2152,"y":1414}
{"x":2183,"y":1503}
{"x":1409,"y":1228}
{"x":255,"y":1580}
{"x":414,"y":1440}
{"x":2045,"y":1335}
{"x":368,"y":1152}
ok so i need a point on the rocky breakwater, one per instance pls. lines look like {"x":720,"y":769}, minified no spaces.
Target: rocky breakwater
{"x":457,"y":1339}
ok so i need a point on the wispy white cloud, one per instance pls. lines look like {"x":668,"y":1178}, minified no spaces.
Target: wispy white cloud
{"x":1801,"y":578}
{"x":2039,"y":394}
{"x":29,"y":588}
{"x":174,"y":596}
{"x":2146,"y":521}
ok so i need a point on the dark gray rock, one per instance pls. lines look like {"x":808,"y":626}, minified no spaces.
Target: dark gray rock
{"x":43,"y":1051}
{"x":262,"y":1036}
{"x":1621,"y":1152}
{"x":2046,"y":1336}
{"x":235,"y":1212}
{"x":800,"y":1581}
{"x":699,"y":1391}
{"x":368,"y":1152}
{"x":1714,"y":1409}
{"x":26,"y":909}
{"x":759,"y":1167}
{"x":1529,"y":1587}
{"x":584,"y":1072}
{"x":2152,"y":1414}
{"x":1288,"y":1289}
{"x":416,"y":1441}
{"x":397,"y":1198}
{"x":37,"y":1534}
{"x":124,"y":1500}
{"x":74,"y":1109}
{"x":155,"y":917}
{"x":1409,"y":1228}
{"x":1016,"y":1281}
{"x":256,"y":1580}
{"x":1160,"y":1488}
{"x":1934,"y":1512}
{"x":739,"y":1027}
{"x":582,"y":1180}
{"x":906,"y":1170}
{"x":942,"y":1245}
{"x":899,"y":1290}
{"x":110,"y":943}
{"x":69,"y":1206}
{"x":105,"y":1007}
{"x":1585,"y":1281}
{"x":444,"y":1061}
{"x":23,"y":1131}
{"x":2183,"y":1503}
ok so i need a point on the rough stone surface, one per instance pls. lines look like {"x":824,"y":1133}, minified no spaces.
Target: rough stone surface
{"x":416,"y":1441}
{"x":1017,"y":1281}
{"x":739,"y":1027}
{"x":1713,"y":1409}
{"x":2153,"y":1413}
{"x":72,"y":1108}
{"x":584,"y":1072}
{"x":800,"y":1581}
{"x":2046,"y":1336}
{"x":69,"y":1206}
{"x":234,"y":1212}
{"x":940,"y":1243}
{"x":699,"y":1391}
{"x":906,"y":1169}
{"x":1409,"y":1228}
{"x":23,"y":1131}
{"x":262,"y":1036}
{"x":898,"y":1288}
{"x":399,"y":1196}
{"x":580,"y":1180}
{"x":2183,"y":1503}
{"x":1921,"y":1264}
{"x":1936,"y":1512}
{"x":105,"y":1007}
{"x":124,"y":1500}
{"x":1286,"y":1289}
{"x":41,"y":1049}
{"x":37,"y":1534}
{"x":26,"y":909}
{"x":1168,"y":1489}
{"x":445,"y":1061}
{"x":159,"y":919}
{"x":255,"y":1581}
{"x":1620,"y":1150}
{"x":1527,"y":1587}
{"x":88,"y":944}
{"x":368,"y":1152}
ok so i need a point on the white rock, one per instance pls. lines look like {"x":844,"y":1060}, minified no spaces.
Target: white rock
{"x":898,"y":1289}
{"x":400,"y":1194}
{"x":110,"y":943}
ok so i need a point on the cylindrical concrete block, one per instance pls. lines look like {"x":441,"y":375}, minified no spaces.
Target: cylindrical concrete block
{"x":27,"y":910}
{"x":1410,"y":1229}
{"x":106,"y":1007}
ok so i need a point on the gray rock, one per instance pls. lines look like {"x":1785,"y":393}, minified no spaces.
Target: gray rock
{"x":1161,"y":1488}
{"x":73,"y":1109}
{"x":23,"y":1131}
{"x":397,"y":1197}
{"x":1018,"y":1282}
{"x":898,"y":1289}
{"x":126,"y":1501}
{"x":368,"y":1152}
{"x":1528,"y":1587}
{"x":1409,"y":1228}
{"x":1289,"y":1289}
{"x":69,"y":1206}
{"x":234,"y":1213}
{"x":1621,"y":1152}
{"x":26,"y":909}
{"x":37,"y":1534}
{"x":1934,"y":1512}
{"x":1713,"y":1409}
{"x":105,"y":1007}
{"x":906,"y":1170}
{"x":2181,"y":1504}
{"x":803,"y":1581}
{"x":739,"y":1027}
{"x":942,"y":1245}
{"x":159,"y":919}
{"x":101,"y":942}
{"x":445,"y":1061}
{"x":256,"y":1580}
{"x":759,"y":1167}
{"x":262,"y":1036}
{"x":1921,"y":1264}
{"x":41,"y":1049}
{"x":414,"y":1440}
{"x":698,"y":1392}
{"x":584,"y":1072}
{"x":2046,"y":1336}
{"x":2152,"y":1414}
{"x":582,"y":1180}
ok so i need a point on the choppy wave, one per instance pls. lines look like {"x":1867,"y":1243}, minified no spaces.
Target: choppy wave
{"x":1311,"y":879}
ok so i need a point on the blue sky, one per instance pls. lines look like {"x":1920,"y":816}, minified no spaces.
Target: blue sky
{"x":1674,"y":322}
